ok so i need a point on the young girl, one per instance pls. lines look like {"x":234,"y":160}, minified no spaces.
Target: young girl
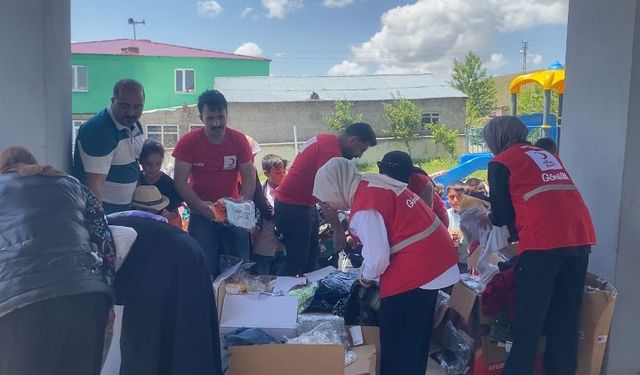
{"x":151,"y":159}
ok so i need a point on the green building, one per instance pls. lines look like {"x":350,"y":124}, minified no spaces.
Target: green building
{"x":172,"y":75}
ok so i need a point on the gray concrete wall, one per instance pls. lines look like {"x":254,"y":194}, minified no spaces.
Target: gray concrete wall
{"x":35,"y":93}
{"x":274,"y":122}
{"x":599,"y":147}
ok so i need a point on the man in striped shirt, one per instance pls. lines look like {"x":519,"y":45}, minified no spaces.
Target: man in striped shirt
{"x":108,"y":147}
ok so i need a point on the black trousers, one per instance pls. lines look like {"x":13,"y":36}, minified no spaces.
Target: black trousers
{"x":59,"y":336}
{"x":299,"y":226}
{"x":406,"y":324}
{"x":549,"y":288}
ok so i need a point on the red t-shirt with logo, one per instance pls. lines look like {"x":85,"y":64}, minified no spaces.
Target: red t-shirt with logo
{"x":297,"y":187}
{"x":214,"y":168}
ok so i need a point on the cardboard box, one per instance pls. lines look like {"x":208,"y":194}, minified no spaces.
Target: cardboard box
{"x":596,"y":314}
{"x":489,"y":357}
{"x":297,"y":359}
{"x":277,"y":315}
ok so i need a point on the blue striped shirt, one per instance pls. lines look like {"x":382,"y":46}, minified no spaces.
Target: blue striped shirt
{"x":103,"y":146}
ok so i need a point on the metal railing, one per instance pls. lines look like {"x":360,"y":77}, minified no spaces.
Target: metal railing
{"x":477,"y":145}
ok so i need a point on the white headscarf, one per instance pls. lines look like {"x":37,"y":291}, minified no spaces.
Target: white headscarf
{"x":337,"y":181}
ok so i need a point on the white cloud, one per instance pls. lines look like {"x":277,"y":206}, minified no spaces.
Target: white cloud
{"x":246,"y":12}
{"x":209,"y":8}
{"x":337,"y":3}
{"x":496,"y":61}
{"x":347,"y":68}
{"x":280,"y":8}
{"x":534,"y":59}
{"x":427,"y":35}
{"x":249,"y":49}
{"x":279,"y":55}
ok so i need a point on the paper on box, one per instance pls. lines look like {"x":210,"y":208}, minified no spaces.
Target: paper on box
{"x":277,"y":315}
{"x":320,"y":274}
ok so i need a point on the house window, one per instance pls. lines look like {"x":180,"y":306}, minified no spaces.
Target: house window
{"x":74,"y":133}
{"x":430,"y":118}
{"x":79,"y":78}
{"x":185,"y":80}
{"x":165,"y":134}
{"x":195,"y":126}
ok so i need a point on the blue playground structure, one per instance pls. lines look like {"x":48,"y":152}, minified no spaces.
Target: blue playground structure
{"x":540,"y":124}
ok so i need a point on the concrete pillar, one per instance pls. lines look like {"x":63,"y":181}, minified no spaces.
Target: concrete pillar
{"x":600,"y":137}
{"x":35,"y":91}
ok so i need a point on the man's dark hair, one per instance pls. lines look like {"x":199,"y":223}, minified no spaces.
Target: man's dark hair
{"x":212,"y":99}
{"x":150,"y":147}
{"x":397,"y":165}
{"x":271,"y":161}
{"x":458,"y":187}
{"x":363,"y":132}
{"x":127,"y":84}
{"x":547,"y":144}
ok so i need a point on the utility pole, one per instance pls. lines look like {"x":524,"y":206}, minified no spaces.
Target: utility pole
{"x":523,"y":50}
{"x":133,"y":23}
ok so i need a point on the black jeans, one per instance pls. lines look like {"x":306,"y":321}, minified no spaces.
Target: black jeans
{"x":58,"y":336}
{"x":217,"y":239}
{"x":549,"y":288}
{"x":406,"y":324}
{"x":299,"y":225}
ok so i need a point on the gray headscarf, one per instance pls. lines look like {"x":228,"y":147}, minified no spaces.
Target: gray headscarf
{"x":501,"y":132}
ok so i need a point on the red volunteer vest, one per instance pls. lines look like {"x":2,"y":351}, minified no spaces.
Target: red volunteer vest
{"x":421,"y":247}
{"x":550,"y":212}
{"x":417,"y":183}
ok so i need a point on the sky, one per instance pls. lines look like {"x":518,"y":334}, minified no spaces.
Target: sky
{"x":343,"y":37}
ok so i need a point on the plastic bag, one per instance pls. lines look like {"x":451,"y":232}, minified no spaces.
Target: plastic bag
{"x":363,"y":305}
{"x":460,"y":345}
{"x":304,"y":294}
{"x":497,"y":240}
{"x":323,"y":330}
{"x":332,"y":290}
{"x":239,"y":214}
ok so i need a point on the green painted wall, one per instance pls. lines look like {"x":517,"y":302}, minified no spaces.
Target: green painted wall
{"x":157,"y":74}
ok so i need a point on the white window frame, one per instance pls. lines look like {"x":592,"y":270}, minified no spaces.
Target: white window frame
{"x":163,"y":132}
{"x":195,"y":126}
{"x":184,"y":70}
{"x":74,"y":78}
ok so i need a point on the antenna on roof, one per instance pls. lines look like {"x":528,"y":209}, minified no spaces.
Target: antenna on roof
{"x":133,"y":23}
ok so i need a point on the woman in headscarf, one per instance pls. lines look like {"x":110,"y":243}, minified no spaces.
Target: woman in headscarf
{"x":532,"y":192}
{"x":56,"y":259}
{"x":399,"y":166}
{"x":405,"y":247}
{"x":169,"y":321}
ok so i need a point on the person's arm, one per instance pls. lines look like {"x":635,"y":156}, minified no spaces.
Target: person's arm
{"x":331,"y":216}
{"x":99,"y":233}
{"x":502,"y":211}
{"x":181,"y":178}
{"x":369,"y":227}
{"x":248,"y":175}
{"x":95,"y":183}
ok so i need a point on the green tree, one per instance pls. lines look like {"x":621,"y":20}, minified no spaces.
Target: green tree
{"x":404,"y":120}
{"x":531,"y":100}
{"x":471,"y":78}
{"x":342,"y":116}
{"x":447,"y":138}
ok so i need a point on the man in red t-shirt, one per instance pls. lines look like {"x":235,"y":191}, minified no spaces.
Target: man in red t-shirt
{"x":296,"y":216}
{"x":208,"y":162}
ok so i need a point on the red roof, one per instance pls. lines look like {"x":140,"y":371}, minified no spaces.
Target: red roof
{"x":144,"y":47}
